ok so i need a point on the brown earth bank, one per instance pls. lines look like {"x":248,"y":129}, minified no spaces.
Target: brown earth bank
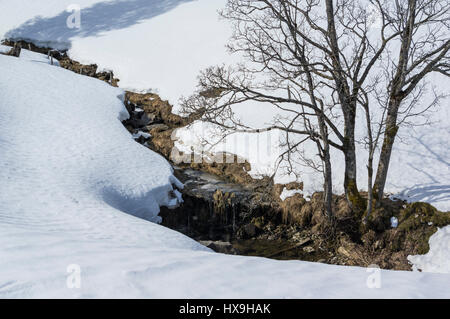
{"x":228,"y":211}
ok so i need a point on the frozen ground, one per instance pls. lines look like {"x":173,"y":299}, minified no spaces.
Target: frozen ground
{"x":71,"y":179}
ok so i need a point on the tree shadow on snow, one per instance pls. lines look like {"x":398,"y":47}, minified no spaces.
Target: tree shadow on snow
{"x":101,"y":17}
{"x":431,"y":163}
{"x":426,"y":193}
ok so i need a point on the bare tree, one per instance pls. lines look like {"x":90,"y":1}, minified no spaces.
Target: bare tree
{"x":299,"y":46}
{"x":315,"y":60}
{"x":424,"y":48}
{"x":282,"y":71}
{"x":371,"y":140}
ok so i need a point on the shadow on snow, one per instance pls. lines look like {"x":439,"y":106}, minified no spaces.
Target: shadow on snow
{"x":101,"y":17}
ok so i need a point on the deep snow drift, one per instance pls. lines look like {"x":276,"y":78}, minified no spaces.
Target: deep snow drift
{"x":71,"y":175}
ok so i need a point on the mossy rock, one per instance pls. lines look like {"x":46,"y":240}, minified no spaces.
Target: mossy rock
{"x":416,"y":214}
{"x":419,"y":221}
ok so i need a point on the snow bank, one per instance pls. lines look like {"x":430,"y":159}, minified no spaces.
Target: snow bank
{"x":438,"y":258}
{"x":286,"y":193}
{"x":31,"y":56}
{"x":138,"y":39}
{"x":90,"y":150}
{"x":25,"y":16}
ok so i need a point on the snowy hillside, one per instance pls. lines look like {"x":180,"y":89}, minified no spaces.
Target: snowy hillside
{"x":72,"y":175}
{"x":138,"y":39}
{"x":72,"y":179}
{"x":140,"y":42}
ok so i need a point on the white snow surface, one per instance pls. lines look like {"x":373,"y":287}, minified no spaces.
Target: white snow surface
{"x":437,"y":259}
{"x":67,"y":206}
{"x":71,"y":179}
{"x":161,"y":46}
{"x":286,"y":193}
{"x":151,"y":45}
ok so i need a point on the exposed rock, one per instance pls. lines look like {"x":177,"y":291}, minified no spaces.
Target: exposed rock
{"x":140,"y":119}
{"x":277,"y":190}
{"x":308,"y":249}
{"x":223,"y":247}
{"x":296,"y":210}
{"x":15,"y":51}
{"x":31,"y":47}
{"x":294,"y":185}
{"x":152,"y":104}
{"x":156,"y":128}
{"x":235,"y":170}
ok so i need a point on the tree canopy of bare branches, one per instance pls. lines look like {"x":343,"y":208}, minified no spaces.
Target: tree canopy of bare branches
{"x":316,"y":62}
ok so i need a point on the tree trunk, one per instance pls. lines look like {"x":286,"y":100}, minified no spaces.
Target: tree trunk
{"x":328,"y":186}
{"x":348,"y":105}
{"x":369,"y":164}
{"x":369,"y":188}
{"x":327,"y":175}
{"x":350,"y":184}
{"x":386,"y":150}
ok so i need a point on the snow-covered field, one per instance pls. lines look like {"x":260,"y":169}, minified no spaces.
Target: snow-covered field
{"x":161,"y":45}
{"x":71,"y":179}
{"x":71,"y":176}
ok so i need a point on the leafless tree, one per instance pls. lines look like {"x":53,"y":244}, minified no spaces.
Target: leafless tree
{"x":424,"y":48}
{"x":315,"y":60}
{"x":282,"y":71}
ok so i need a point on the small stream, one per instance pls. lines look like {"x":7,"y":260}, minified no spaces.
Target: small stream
{"x":212,"y":209}
{"x":218,"y":213}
